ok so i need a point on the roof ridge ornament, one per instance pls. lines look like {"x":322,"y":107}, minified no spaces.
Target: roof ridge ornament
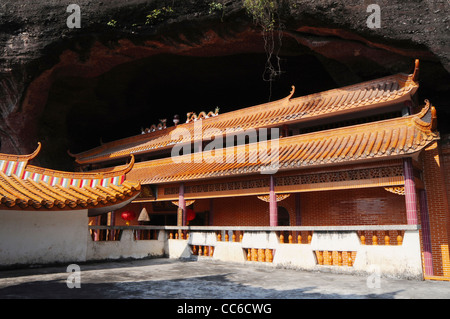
{"x":124,"y":169}
{"x":415,"y":76}
{"x":130,"y":165}
{"x":285,"y":101}
{"x":192,"y":116}
{"x":22,"y":158}
{"x":291,"y":94}
{"x":161,"y":126}
{"x":425,"y":121}
{"x":424,"y":109}
{"x":36,"y":152}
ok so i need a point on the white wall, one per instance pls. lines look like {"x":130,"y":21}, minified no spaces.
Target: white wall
{"x":392,"y":261}
{"x":50,"y":237}
{"x":397,"y":261}
{"x":42,"y":237}
{"x":127,"y":247}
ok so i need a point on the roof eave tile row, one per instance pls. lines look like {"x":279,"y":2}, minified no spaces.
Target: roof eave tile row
{"x":36,"y":188}
{"x":22,"y":194}
{"x":373,"y":141}
{"x":371,"y":94}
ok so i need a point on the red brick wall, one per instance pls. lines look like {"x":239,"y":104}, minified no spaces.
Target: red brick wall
{"x":240,"y":211}
{"x":445,"y":157}
{"x":435,"y":185}
{"x":372,"y":206}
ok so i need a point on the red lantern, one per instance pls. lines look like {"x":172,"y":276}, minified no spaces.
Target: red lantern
{"x":127,"y":216}
{"x":190,"y":214}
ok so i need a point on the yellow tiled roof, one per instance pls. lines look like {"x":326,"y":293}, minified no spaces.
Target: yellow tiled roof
{"x":402,"y":136}
{"x":364,"y":96}
{"x":24,"y":186}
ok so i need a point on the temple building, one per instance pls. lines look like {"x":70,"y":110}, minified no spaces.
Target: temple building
{"x":365,"y":154}
{"x":44,"y":213}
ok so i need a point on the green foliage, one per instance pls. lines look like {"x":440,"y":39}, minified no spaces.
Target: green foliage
{"x":158,"y":15}
{"x":112,"y":23}
{"x":263,"y":12}
{"x":215,"y":7}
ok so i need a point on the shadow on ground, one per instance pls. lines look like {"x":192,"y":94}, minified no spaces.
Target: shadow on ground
{"x":24,"y":270}
{"x":198,"y":287}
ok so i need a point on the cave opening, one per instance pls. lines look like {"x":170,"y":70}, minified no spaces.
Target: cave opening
{"x":82,"y":113}
{"x":72,"y":89}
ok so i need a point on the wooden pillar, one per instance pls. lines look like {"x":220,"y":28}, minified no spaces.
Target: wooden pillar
{"x":112,"y":222}
{"x":298,"y":216}
{"x":211,"y":212}
{"x":285,"y":130}
{"x":426,"y":235}
{"x":182,"y":205}
{"x":97,"y":231}
{"x":273,"y":209}
{"x":410,"y":192}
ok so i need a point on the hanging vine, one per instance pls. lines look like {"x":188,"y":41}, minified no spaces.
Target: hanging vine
{"x":265,"y":13}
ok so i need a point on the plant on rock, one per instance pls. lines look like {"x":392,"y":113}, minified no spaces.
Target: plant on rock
{"x":265,"y":13}
{"x":158,"y":15}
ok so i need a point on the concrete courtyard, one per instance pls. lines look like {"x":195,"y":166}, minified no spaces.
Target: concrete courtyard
{"x":176,"y":279}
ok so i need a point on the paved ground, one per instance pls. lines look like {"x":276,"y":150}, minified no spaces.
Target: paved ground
{"x":175,"y":279}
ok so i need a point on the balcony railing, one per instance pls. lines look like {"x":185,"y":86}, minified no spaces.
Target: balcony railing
{"x":394,"y":249}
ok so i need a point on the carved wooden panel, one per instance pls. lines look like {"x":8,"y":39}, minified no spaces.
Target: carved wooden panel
{"x":339,"y":179}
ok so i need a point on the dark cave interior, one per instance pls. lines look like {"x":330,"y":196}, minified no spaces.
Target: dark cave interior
{"x":73,"y":89}
{"x":133,"y":96}
{"x":81,"y":113}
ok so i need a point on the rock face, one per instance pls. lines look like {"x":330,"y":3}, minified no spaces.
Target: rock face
{"x":135,"y":62}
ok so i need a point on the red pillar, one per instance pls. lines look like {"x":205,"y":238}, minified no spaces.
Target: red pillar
{"x":182,"y":203}
{"x":410,"y":192}
{"x":273,"y":209}
{"x":298,"y":215}
{"x":112,"y":222}
{"x":97,"y":231}
{"x":211,"y":211}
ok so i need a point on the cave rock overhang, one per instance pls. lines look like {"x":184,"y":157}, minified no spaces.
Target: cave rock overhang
{"x":313,"y":59}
